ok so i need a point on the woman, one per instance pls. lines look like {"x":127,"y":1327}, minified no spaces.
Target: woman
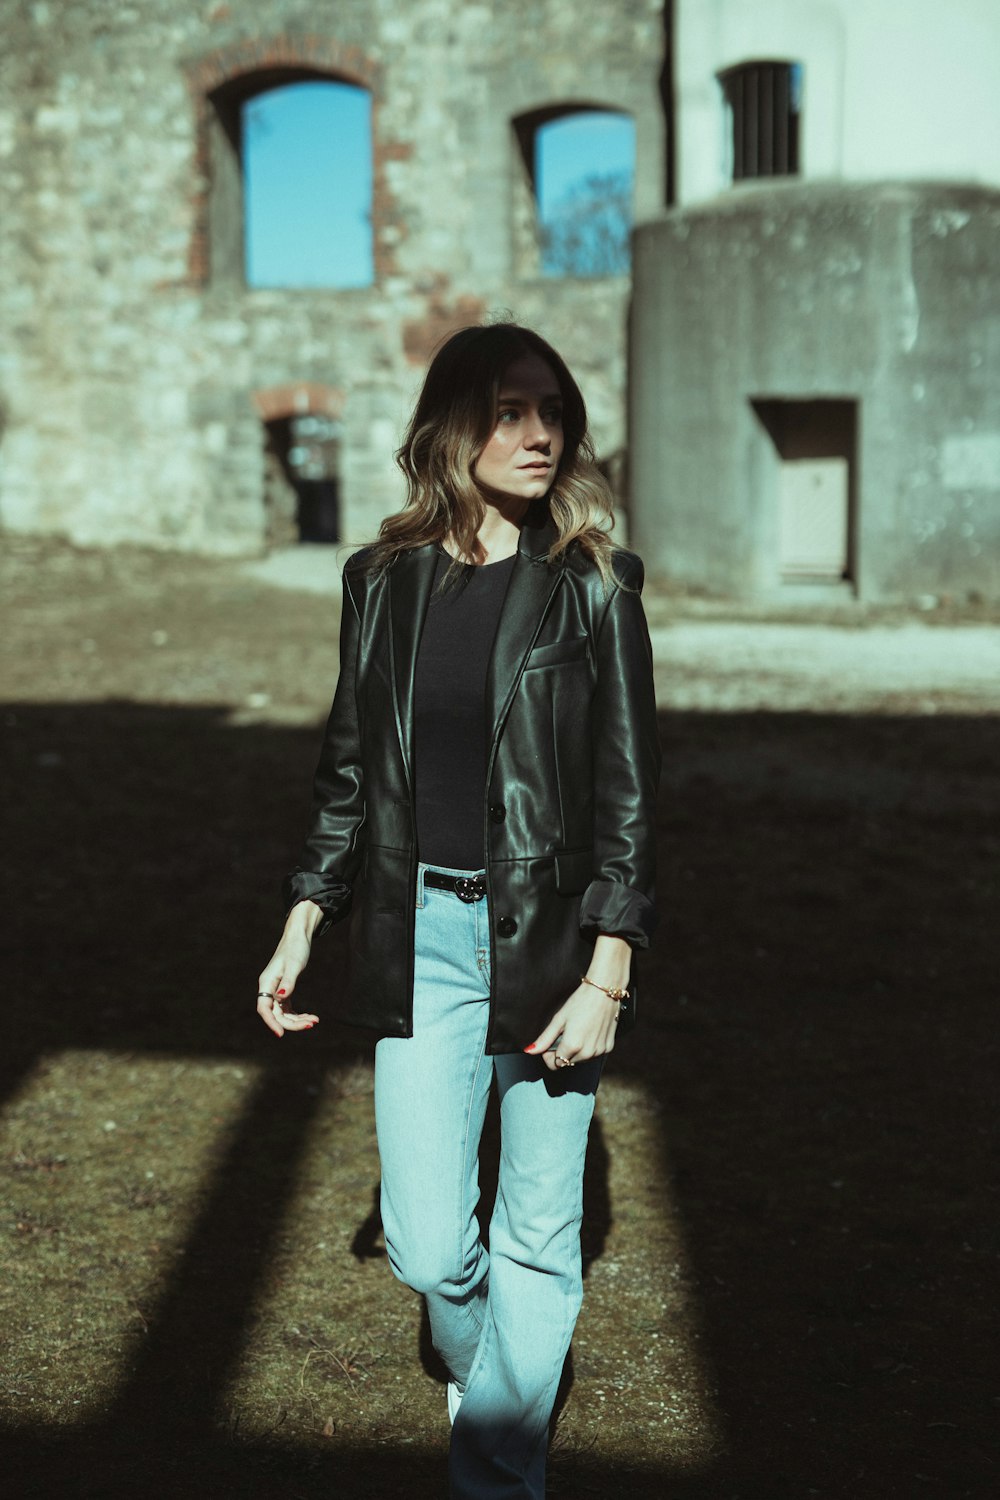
{"x":484,"y":807}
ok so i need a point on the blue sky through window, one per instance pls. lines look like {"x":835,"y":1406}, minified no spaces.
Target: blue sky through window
{"x":307,"y":161}
{"x":584,"y":179}
{"x":576,"y":147}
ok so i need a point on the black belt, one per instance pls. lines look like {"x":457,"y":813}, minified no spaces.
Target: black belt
{"x":466,"y":887}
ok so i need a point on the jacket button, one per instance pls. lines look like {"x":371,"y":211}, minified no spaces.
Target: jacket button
{"x":498,"y":812}
{"x":506,"y":926}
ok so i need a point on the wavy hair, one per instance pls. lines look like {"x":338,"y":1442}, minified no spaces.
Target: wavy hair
{"x":455,"y":415}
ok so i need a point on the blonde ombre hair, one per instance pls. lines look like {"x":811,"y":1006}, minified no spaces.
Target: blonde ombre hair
{"x":455,"y":415}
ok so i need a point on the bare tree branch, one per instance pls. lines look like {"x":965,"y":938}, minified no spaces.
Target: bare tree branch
{"x":587,"y":234}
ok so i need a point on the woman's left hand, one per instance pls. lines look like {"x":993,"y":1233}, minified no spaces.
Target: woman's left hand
{"x":581,"y":1029}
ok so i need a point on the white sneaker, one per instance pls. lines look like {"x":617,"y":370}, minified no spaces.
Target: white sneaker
{"x":454,"y":1401}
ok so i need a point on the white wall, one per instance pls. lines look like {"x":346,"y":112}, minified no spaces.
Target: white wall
{"x":892,"y":88}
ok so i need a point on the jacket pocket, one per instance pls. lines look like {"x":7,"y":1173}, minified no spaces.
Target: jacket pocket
{"x":555,"y":653}
{"x":574,"y":869}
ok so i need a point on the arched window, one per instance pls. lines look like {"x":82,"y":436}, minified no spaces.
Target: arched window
{"x":575,"y":189}
{"x":291,"y":169}
{"x":763,"y":102}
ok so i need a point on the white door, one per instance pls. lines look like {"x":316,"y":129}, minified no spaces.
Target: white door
{"x":813,"y":499}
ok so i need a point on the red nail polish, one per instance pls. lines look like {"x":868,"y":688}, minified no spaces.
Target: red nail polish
{"x":281,"y":992}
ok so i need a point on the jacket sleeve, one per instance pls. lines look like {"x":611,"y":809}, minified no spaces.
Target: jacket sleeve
{"x":332,"y":853}
{"x":620,"y":898}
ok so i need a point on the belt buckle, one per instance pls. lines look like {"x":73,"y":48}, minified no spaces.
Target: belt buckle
{"x":470,"y":887}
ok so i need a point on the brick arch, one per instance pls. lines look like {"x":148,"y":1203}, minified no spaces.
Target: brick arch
{"x":528,"y":122}
{"x":272,"y":60}
{"x":541,"y":112}
{"x":541,"y":108}
{"x":316,"y":54}
{"x":298,"y":399}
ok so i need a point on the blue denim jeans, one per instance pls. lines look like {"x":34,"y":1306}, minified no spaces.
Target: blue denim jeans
{"x":501,"y":1320}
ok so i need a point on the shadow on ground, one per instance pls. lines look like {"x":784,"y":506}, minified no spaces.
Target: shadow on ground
{"x":818,"y":1022}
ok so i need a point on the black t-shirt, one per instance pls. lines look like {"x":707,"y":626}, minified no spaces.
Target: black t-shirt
{"x":449,"y":713}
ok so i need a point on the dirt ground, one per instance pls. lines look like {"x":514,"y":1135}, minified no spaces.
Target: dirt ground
{"x":791,"y":1237}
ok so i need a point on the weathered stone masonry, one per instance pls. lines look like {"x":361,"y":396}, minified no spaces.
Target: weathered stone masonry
{"x":136,"y":375}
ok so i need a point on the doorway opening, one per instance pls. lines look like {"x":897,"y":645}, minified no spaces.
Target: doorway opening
{"x":814,"y":496}
{"x":302,"y":484}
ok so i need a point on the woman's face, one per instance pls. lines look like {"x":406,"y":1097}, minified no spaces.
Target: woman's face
{"x":521,"y":457}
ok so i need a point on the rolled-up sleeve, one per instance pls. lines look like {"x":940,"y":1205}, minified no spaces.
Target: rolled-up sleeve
{"x":332,"y":853}
{"x":621,"y":897}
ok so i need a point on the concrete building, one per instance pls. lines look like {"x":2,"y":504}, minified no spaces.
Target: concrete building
{"x":147,"y":394}
{"x":815,"y":355}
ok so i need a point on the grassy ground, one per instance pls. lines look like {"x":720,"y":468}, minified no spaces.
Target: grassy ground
{"x":791,"y":1235}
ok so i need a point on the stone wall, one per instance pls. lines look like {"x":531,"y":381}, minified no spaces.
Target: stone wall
{"x":133,"y":380}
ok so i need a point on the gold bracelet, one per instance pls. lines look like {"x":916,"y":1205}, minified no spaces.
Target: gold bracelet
{"x":613,"y":993}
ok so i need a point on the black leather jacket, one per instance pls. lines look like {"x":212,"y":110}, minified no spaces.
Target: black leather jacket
{"x":571,"y":785}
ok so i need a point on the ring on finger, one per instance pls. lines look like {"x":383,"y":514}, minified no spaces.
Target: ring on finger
{"x":563,"y":1062}
{"x":264,"y":995}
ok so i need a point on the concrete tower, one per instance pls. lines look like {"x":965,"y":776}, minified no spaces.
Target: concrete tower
{"x":815,"y":350}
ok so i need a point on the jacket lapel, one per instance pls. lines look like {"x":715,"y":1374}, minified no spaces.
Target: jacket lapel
{"x":411,"y":578}
{"x":532,"y":585}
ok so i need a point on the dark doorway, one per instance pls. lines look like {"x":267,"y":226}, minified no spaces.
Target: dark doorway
{"x":303,"y":479}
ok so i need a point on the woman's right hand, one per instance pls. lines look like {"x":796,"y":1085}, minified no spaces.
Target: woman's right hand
{"x":278,"y":978}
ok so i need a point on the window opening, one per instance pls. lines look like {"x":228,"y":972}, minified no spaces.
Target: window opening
{"x":573,"y":192}
{"x":291,"y":173}
{"x":307,"y":163}
{"x":302,"y":479}
{"x":763,"y":105}
{"x":815,"y":487}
